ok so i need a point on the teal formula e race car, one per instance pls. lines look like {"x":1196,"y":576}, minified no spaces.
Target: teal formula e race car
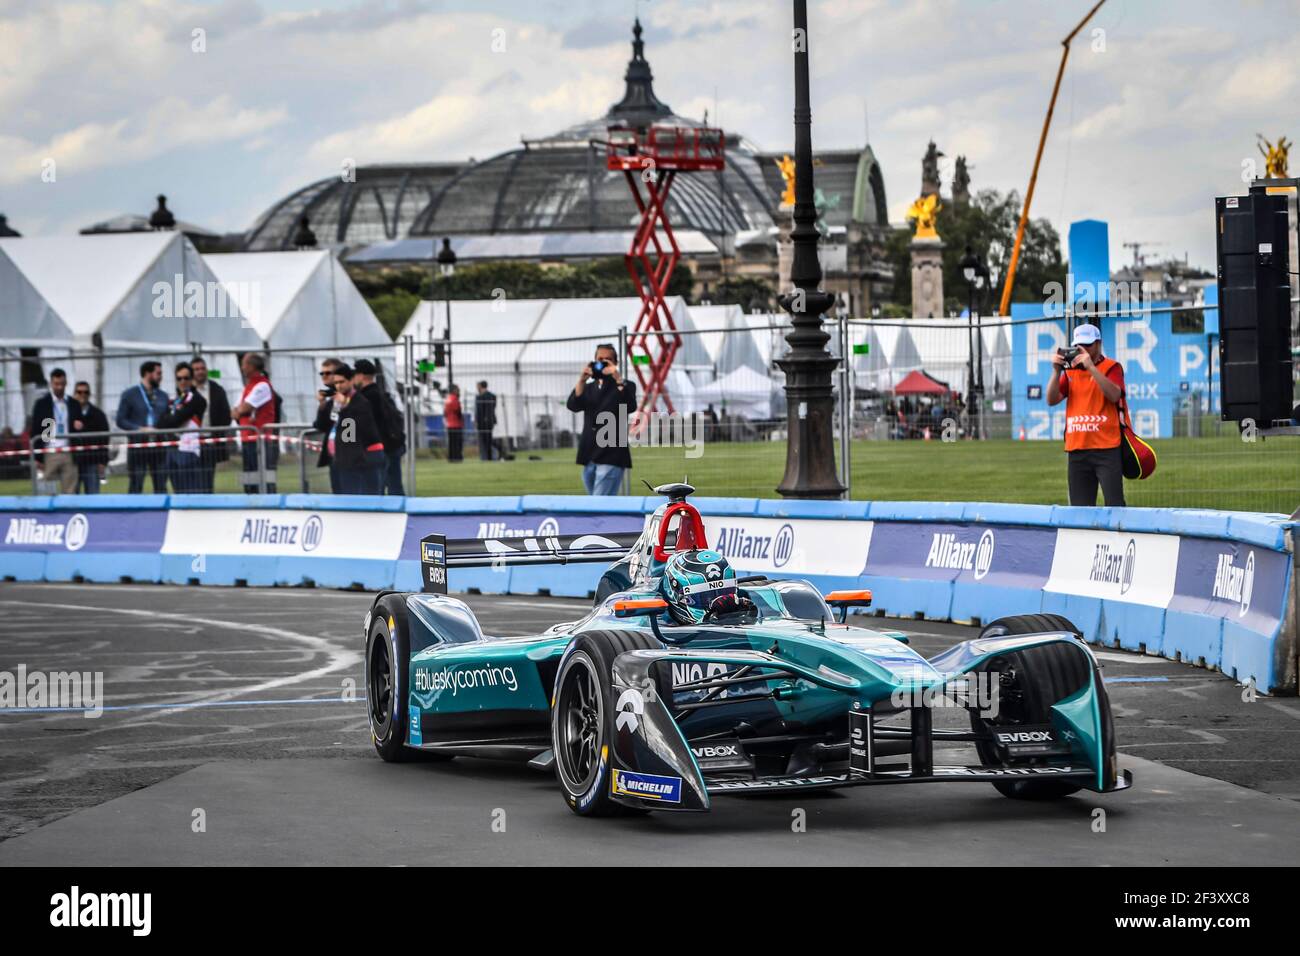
{"x":685,"y":682}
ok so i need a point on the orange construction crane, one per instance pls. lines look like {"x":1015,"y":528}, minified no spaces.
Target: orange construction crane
{"x":1005,"y":308}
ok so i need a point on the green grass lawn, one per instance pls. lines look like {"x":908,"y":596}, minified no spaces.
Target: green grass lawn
{"x":1221,"y":473}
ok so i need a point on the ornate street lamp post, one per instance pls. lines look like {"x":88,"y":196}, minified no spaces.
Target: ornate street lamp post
{"x":810,"y":451}
{"x":447,"y":266}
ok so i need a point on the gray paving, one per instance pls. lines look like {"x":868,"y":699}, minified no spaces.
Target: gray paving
{"x":243,"y":702}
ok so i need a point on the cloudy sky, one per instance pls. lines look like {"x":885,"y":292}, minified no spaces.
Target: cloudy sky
{"x":1158,"y":112}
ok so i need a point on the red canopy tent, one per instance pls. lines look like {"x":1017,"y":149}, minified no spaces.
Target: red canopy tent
{"x":919,"y":383}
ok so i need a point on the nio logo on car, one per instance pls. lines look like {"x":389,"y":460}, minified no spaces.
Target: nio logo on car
{"x":29,"y":531}
{"x":1113,"y":568}
{"x":631,"y":705}
{"x":713,"y":571}
{"x":649,"y":786}
{"x":1232,"y":583}
{"x":469,"y":678}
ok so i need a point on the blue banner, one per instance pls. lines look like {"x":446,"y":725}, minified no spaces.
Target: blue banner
{"x":1165,"y":372}
{"x":987,"y":554}
{"x":56,"y":531}
{"x":1233,"y":581}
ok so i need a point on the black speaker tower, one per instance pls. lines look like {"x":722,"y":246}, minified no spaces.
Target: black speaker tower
{"x":1254,"y":255}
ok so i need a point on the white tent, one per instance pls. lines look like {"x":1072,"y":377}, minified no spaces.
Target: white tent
{"x":300,"y":300}
{"x":531,"y":350}
{"x":744,"y":392}
{"x":148,"y":293}
{"x":27,"y":322}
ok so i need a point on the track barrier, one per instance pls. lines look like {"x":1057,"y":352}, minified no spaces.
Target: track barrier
{"x":1212,"y":588}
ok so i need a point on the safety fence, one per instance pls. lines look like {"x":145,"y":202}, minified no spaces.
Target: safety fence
{"x":1217,"y":589}
{"x":941,"y":409}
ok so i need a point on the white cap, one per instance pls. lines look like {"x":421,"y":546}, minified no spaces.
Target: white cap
{"x":1086,"y":335}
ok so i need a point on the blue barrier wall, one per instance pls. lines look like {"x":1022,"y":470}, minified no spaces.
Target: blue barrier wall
{"x":1208,"y":587}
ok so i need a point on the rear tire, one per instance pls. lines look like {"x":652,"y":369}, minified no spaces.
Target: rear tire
{"x":582,"y":719}
{"x":388,"y":659}
{"x":1030,"y":682}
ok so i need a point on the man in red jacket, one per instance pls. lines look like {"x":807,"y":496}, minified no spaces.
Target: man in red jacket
{"x":256,"y":409}
{"x":454,"y":419}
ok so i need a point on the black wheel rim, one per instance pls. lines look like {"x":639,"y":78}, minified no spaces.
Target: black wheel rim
{"x":581,"y":726}
{"x":379,"y":686}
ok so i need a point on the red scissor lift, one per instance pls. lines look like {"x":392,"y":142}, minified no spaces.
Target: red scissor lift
{"x":652,"y":158}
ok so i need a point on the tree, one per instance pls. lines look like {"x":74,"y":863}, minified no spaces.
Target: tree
{"x":988,"y":226}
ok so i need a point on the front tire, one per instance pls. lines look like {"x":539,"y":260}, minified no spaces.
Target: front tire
{"x":1030,"y":682}
{"x":582,"y":719}
{"x":388,"y":659}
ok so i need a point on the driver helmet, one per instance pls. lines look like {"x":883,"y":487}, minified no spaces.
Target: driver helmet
{"x":693,"y":580}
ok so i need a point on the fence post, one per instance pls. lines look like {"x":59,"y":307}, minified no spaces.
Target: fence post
{"x":302,"y":461}
{"x":261,"y":461}
{"x":846,"y":410}
{"x":412,"y":439}
{"x":31,"y":455}
{"x":622,"y":371}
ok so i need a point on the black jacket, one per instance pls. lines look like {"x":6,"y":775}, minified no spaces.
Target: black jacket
{"x":218,"y":417}
{"x":42,"y":412}
{"x":182,"y":409}
{"x":600,"y":398}
{"x":485,"y":412}
{"x":324,"y":422}
{"x":350,"y":455}
{"x":388,"y":418}
{"x":92,"y":419}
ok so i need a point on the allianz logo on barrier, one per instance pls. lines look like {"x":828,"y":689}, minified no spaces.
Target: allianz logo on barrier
{"x":306,"y":535}
{"x":946,"y":551}
{"x":546,"y":528}
{"x":733,"y":543}
{"x":32,"y":531}
{"x":1232,"y":583}
{"x":1109,"y":567}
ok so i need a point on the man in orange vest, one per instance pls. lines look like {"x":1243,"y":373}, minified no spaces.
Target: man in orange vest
{"x":1092,"y":387}
{"x":257,"y":408}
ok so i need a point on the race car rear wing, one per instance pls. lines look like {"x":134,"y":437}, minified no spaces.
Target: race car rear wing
{"x":437,"y":554}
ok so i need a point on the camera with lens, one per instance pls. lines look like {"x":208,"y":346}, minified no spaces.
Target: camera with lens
{"x":1069,"y":354}
{"x":597,"y":367}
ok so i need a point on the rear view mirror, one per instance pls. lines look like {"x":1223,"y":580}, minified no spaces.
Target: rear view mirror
{"x":843,"y":600}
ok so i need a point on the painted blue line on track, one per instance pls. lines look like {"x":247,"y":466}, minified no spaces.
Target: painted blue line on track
{"x":1135,"y":680}
{"x":179,"y":706}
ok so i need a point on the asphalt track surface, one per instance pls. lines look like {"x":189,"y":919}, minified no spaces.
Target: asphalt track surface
{"x":242,"y":709}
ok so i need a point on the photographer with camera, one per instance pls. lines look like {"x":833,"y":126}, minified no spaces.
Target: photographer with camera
{"x":1093,"y":388}
{"x":599,"y":394}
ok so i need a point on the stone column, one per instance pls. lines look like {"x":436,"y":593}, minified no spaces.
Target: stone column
{"x":927,"y":278}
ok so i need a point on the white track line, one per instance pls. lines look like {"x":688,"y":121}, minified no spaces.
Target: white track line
{"x":338,"y":660}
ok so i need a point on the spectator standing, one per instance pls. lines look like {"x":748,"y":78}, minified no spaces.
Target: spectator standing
{"x":327,"y":413}
{"x":485,"y":419}
{"x":257,"y":409}
{"x":607,"y":402}
{"x":454,"y":421}
{"x":51,"y":428}
{"x":1092,"y":387}
{"x":92,"y":460}
{"x":215,"y":415}
{"x":354,"y":442}
{"x":388,"y":419}
{"x":185,"y":412}
{"x":138,"y":410}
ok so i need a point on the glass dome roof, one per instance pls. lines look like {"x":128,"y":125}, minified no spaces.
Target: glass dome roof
{"x":557,"y":184}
